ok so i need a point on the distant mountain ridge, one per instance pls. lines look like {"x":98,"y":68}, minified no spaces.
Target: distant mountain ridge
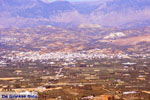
{"x":126,"y":5}
{"x":46,"y":10}
{"x":114,"y":12}
{"x":35,"y":8}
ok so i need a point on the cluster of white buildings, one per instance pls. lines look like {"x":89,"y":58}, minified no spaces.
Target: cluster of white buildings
{"x":33,"y":56}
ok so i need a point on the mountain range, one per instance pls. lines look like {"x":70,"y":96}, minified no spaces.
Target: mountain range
{"x":23,"y":13}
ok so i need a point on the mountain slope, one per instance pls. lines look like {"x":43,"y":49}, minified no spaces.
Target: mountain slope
{"x":46,"y":10}
{"x":35,"y":8}
{"x":118,"y":12}
{"x":108,"y":13}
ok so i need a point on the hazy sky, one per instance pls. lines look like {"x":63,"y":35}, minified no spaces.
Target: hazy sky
{"x":80,"y":0}
{"x":88,"y":0}
{"x":71,"y":0}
